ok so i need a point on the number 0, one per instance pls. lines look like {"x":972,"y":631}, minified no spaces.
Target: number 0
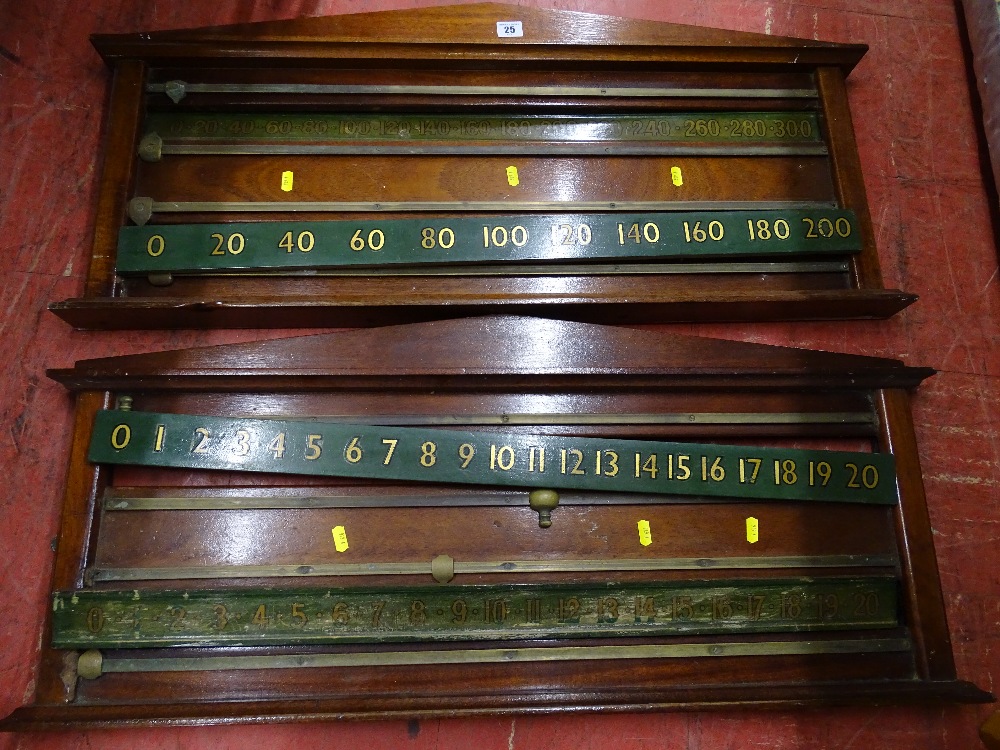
{"x":155,"y":245}
{"x":121,"y":436}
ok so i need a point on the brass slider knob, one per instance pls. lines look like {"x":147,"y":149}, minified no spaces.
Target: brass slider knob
{"x":443,"y":568}
{"x":151,"y":148}
{"x":160,"y":279}
{"x":140,"y":210}
{"x":90,"y":664}
{"x":543,"y":502}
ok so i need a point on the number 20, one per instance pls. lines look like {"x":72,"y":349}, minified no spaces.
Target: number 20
{"x":234,"y":244}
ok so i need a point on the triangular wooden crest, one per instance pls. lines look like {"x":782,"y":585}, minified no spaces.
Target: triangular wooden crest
{"x":476,"y":24}
{"x":501,"y":346}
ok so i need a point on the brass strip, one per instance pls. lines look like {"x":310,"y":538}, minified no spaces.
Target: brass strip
{"x":555,"y":270}
{"x":549,"y":269}
{"x":603,"y":92}
{"x":99,"y":574}
{"x":114,"y":502}
{"x":176,"y":147}
{"x":696,"y":418}
{"x":507,"y":655}
{"x":476,"y":206}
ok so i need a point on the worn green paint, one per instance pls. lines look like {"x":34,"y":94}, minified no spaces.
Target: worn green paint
{"x":682,"y":127}
{"x":430,"y":454}
{"x":287,"y":245}
{"x":238,"y":617}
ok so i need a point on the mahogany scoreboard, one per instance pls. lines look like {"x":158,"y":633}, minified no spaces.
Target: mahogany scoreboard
{"x":388,"y":167}
{"x":485,"y":499}
{"x":489,"y":515}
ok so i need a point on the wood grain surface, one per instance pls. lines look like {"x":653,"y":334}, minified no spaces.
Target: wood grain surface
{"x":454,"y":371}
{"x":557,"y":68}
{"x":913,"y":125}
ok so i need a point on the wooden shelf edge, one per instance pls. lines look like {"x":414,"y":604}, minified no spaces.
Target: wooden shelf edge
{"x":149,"y":313}
{"x":880,"y":693}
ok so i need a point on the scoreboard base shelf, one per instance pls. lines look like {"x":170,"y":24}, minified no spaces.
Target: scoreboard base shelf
{"x":288,"y":311}
{"x":361,"y":706}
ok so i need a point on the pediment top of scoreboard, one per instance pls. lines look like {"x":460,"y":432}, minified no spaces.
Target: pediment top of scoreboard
{"x":470,"y":30}
{"x":491,"y":352}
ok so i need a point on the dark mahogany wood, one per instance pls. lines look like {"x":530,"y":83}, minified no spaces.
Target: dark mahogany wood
{"x":123,"y":121}
{"x":492,"y":353}
{"x":228,"y":310}
{"x":458,"y":46}
{"x":924,"y":600}
{"x":848,"y":180}
{"x":360,"y":706}
{"x":481,"y":367}
{"x":418,"y":35}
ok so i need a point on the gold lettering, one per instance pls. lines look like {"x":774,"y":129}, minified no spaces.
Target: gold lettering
{"x":502,"y":458}
{"x":121,"y":436}
{"x":314,"y":447}
{"x":391,"y":442}
{"x":353,"y":453}
{"x":203,"y":436}
{"x":427,"y":457}
{"x":242,"y":443}
{"x":260,"y":616}
{"x":155,"y":245}
{"x":278,"y":445}
{"x":466,"y":452}
{"x":565,"y":454}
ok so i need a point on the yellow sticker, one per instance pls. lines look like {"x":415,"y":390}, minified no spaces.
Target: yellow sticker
{"x":645,"y":534}
{"x":512,"y":177}
{"x":752,"y":530}
{"x":676,"y":177}
{"x":286,"y":181}
{"x":340,"y":538}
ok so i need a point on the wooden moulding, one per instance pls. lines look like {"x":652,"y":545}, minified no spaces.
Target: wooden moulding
{"x":497,"y":366}
{"x":560,"y":51}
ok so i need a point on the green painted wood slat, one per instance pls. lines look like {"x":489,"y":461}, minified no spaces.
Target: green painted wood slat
{"x":257,"y":617}
{"x":375,"y":242}
{"x":317,"y":448}
{"x":682,"y":127}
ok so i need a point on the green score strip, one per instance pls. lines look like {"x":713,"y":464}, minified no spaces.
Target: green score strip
{"x":481,"y":458}
{"x":190,"y":248}
{"x":678,"y":127}
{"x":257,"y":617}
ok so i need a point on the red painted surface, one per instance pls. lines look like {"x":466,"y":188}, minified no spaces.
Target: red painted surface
{"x":918,"y":151}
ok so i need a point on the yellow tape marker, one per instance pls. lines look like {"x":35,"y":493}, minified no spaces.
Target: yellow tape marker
{"x":286,"y":181}
{"x":512,"y":177}
{"x":340,"y":538}
{"x":645,"y":534}
{"x":676,"y":177}
{"x":753,"y":527}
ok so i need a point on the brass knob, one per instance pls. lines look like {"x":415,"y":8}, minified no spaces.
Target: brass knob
{"x":543,"y":502}
{"x":443,"y":568}
{"x":151,"y":148}
{"x":90,"y":664}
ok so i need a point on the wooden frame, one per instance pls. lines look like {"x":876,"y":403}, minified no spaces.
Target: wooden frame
{"x":454,"y":373}
{"x":560,"y":54}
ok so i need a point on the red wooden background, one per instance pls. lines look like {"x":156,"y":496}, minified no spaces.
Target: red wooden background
{"x":916,"y":136}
